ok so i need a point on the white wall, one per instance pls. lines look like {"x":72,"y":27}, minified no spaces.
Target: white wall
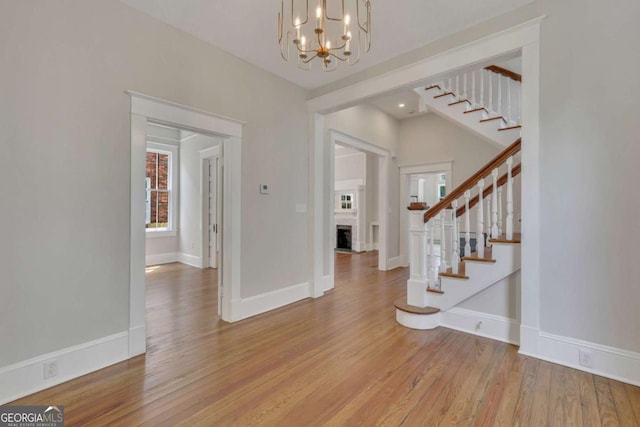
{"x":351,"y":166}
{"x":190,"y":234}
{"x":64,"y":165}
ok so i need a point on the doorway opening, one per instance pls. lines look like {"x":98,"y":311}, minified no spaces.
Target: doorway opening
{"x":147,"y":110}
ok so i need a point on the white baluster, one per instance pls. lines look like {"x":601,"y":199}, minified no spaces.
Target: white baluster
{"x":494,"y":205}
{"x":464,"y":85}
{"x":450,"y":85}
{"x":500,"y":96}
{"x":490,"y":92}
{"x":455,"y":256}
{"x":500,"y":211}
{"x":489,"y":197}
{"x":509,"y":231}
{"x":457,"y":87}
{"x":482,"y":75}
{"x":443,"y":246}
{"x":473,"y":89}
{"x":431,"y":276}
{"x":467,"y":225}
{"x":509,"y":112}
{"x":480,"y":227}
{"x":519,"y":102}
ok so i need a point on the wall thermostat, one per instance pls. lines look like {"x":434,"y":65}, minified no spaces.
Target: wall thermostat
{"x":264,"y":188}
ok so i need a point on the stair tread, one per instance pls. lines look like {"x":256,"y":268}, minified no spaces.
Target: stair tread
{"x":432,"y":87}
{"x":435,"y":291}
{"x":492,"y":118}
{"x":475,"y":110}
{"x":401,"y":304}
{"x":476,"y":259}
{"x":511,"y":127}
{"x":460,"y":275}
{"x":503,"y":239}
{"x":443,"y":94}
{"x":460,"y":101}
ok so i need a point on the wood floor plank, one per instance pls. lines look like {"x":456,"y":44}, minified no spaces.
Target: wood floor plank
{"x":589,"y":400}
{"x":540,"y":407}
{"x":606,"y":405}
{"x":572,"y":399}
{"x":633,"y":393}
{"x":338,"y":360}
{"x":624,"y":409}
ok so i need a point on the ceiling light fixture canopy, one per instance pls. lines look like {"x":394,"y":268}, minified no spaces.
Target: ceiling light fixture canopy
{"x":331,"y":35}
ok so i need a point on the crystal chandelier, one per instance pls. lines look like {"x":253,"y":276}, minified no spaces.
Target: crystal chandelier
{"x":328,"y":37}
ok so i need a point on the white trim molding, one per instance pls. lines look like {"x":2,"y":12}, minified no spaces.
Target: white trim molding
{"x":486,"y":325}
{"x":258,"y":304}
{"x":611,"y":362}
{"x":27,"y":377}
{"x":157,"y":259}
{"x":192,"y":260}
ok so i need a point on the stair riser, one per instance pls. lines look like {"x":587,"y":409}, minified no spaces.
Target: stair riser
{"x":481,"y":276}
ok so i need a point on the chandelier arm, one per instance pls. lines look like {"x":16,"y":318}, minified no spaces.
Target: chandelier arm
{"x":326,"y":12}
{"x":306,"y":13}
{"x":286,"y":58}
{"x":337,"y":57}
{"x":364,"y":27}
{"x":306,"y":61}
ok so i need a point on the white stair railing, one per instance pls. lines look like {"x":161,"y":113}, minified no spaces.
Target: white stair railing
{"x":431,"y":257}
{"x":497,"y":92}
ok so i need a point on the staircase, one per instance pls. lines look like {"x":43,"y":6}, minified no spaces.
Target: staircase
{"x":445,"y":272}
{"x":486,"y":101}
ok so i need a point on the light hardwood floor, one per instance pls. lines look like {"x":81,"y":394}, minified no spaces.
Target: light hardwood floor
{"x":341,"y":360}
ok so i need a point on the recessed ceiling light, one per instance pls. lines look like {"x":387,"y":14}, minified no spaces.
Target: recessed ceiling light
{"x":401,"y":105}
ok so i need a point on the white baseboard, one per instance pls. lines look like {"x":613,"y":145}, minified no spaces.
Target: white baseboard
{"x":482,"y":324}
{"x":615,"y":363}
{"x":137,"y":340}
{"x":393,"y":263}
{"x":327,"y":283}
{"x":248,"y":307}
{"x":192,"y":260}
{"x":27,"y":377}
{"x":157,"y":259}
{"x":359,"y":246}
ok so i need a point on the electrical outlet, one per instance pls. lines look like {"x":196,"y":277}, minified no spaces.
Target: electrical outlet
{"x":50,"y":369}
{"x":586,"y":358}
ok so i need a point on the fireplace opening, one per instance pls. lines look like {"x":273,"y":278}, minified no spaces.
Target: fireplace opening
{"x":343,"y":237}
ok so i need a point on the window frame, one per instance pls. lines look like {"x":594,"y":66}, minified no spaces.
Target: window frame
{"x":172,"y":189}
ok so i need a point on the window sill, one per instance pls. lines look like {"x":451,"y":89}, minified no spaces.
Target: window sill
{"x":153,"y":234}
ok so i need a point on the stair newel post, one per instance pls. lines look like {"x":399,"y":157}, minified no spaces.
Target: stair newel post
{"x":494,"y":205}
{"x":509,"y":225}
{"x":467,"y":225}
{"x":418,"y":237}
{"x":455,"y":248}
{"x":480,"y":227}
{"x":500,"y":211}
{"x":443,"y":244}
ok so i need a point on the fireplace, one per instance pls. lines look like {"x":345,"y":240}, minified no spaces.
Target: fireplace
{"x":343,"y":237}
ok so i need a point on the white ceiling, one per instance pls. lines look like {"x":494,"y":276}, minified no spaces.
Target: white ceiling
{"x":248,"y":28}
